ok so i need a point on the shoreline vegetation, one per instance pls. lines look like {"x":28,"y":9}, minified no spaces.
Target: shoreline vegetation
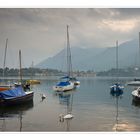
{"x":43,"y":72}
{"x":33,"y":72}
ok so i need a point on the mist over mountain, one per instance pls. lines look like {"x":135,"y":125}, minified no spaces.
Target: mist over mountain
{"x":97,"y":59}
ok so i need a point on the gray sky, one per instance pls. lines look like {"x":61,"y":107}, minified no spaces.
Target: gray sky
{"x":41,"y":33}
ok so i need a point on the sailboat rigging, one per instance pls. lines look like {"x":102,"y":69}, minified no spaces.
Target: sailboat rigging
{"x":136,"y":81}
{"x":69,"y":62}
{"x":5,"y":57}
{"x":136,"y":93}
{"x":67,"y":82}
{"x":20,"y":70}
{"x":5,"y":86}
{"x":116,"y":89}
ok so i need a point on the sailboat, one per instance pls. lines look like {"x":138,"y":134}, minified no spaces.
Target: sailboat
{"x":5,"y":86}
{"x":67,"y":82}
{"x":136,"y":81}
{"x":136,"y":92}
{"x":116,"y":89}
{"x":16,"y":95}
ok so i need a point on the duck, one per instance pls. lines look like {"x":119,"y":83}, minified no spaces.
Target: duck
{"x":43,"y":96}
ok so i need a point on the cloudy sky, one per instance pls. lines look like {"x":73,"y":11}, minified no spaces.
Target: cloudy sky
{"x":41,"y":33}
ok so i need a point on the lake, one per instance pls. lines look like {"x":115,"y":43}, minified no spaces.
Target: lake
{"x":94,"y":109}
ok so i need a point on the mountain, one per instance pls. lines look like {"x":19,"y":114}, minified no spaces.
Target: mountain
{"x":97,"y":59}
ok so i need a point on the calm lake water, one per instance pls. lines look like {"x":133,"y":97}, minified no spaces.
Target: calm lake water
{"x":93,"y":107}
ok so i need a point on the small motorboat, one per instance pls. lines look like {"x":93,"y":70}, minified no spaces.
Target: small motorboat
{"x":75,"y":81}
{"x":136,"y":94}
{"x":33,"y":82}
{"x":135,"y":82}
{"x":116,"y":90}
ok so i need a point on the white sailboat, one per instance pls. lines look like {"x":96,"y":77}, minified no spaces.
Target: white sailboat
{"x":116,"y":89}
{"x":136,"y":94}
{"x":136,"y":81}
{"x":66,"y":83}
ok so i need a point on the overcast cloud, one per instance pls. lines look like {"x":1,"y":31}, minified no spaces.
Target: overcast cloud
{"x":41,"y":33}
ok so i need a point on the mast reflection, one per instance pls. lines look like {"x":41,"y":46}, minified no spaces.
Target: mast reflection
{"x":67,"y":100}
{"x":116,"y":127}
{"x":7,"y":112}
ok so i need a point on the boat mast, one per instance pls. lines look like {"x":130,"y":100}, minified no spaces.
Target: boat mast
{"x":117,"y":64}
{"x":69,"y":63}
{"x":139,"y":50}
{"x":20,"y":68}
{"x":32,"y":70}
{"x":5,"y":57}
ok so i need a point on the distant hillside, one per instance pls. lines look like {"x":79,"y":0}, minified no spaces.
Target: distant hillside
{"x":97,"y":59}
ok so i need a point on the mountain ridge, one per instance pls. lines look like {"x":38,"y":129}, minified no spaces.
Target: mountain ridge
{"x":97,"y":59}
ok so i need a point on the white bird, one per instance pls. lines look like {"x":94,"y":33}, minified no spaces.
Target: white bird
{"x":43,"y":96}
{"x":68,"y":116}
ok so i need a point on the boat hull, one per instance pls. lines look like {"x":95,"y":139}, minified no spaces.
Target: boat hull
{"x":77,"y":83}
{"x":134,"y":83}
{"x":135,"y":98}
{"x":64,"y":88}
{"x":33,"y":82}
{"x":17,"y":100}
{"x":136,"y":95}
{"x":116,"y":90}
{"x":4,"y":87}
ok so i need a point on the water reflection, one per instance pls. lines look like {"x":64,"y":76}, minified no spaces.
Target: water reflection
{"x":117,"y":114}
{"x":67,"y":100}
{"x":136,"y":103}
{"x":14,"y":112}
{"x":116,"y":126}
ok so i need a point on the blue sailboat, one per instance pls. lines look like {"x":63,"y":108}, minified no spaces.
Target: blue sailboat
{"x":116,"y":89}
{"x":15,"y":95}
{"x":66,"y":83}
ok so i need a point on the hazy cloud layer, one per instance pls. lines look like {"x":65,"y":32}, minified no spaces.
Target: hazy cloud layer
{"x":41,"y":33}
